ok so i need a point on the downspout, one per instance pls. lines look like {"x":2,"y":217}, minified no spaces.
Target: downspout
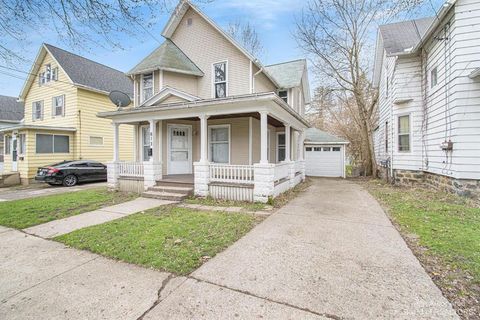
{"x":253,"y":78}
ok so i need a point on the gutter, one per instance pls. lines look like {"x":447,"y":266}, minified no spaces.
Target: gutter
{"x":269,"y":96}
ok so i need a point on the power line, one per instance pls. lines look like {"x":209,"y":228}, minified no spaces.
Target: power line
{"x":29,"y":73}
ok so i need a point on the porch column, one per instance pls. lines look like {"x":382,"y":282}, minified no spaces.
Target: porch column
{"x":152,"y":169}
{"x":263,"y":137}
{"x":203,"y":138}
{"x":112,"y":167}
{"x":287,"y":142}
{"x":301,"y":152}
{"x":136,"y":143}
{"x":202,"y":168}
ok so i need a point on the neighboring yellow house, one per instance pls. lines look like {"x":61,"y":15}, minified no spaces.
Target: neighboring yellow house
{"x":62,"y":96}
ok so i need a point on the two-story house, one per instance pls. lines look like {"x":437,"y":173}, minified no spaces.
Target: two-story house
{"x":209,"y":115}
{"x":62,"y":95}
{"x":428,"y":75}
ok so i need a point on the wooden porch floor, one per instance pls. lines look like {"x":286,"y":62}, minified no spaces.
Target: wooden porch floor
{"x":178,"y":178}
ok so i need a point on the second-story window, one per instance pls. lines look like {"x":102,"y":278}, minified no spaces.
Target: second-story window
{"x":220,"y":79}
{"x":37,"y":110}
{"x":433,"y":77}
{"x":147,"y":86}
{"x":58,"y":106}
{"x":284,"y":95}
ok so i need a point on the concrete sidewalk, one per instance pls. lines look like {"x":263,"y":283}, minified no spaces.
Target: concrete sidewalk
{"x":67,"y":225}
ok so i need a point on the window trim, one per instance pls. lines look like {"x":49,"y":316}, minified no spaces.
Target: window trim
{"x":227,"y":73}
{"x":286,"y":91}
{"x":53,"y":143}
{"x":142,"y":142}
{"x":409,"y":132}
{"x":96,"y":145}
{"x":22,"y":144}
{"x":142,"y":100}
{"x":217,"y":126}
{"x":7,"y":145}
{"x":54,"y":107}
{"x":278,"y":145}
{"x":34,"y":113}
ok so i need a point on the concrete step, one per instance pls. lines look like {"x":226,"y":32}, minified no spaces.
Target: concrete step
{"x":172,"y":189}
{"x":164,"y":195}
{"x":174,"y":184}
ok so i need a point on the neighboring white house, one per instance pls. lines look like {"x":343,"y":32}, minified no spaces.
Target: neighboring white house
{"x":11,"y":114}
{"x":428,"y":74}
{"x":209,"y":117}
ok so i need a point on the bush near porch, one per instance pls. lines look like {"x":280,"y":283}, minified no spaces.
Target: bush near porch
{"x":26,"y":213}
{"x":443,"y":230}
{"x":167,"y":238}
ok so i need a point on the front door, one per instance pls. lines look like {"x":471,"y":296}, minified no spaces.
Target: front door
{"x":14,"y":153}
{"x":180,"y":149}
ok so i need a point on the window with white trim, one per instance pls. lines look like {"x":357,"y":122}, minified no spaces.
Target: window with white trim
{"x":52,"y":143}
{"x":220,"y":79}
{"x":37,"y":110}
{"x":8,"y":143}
{"x":219,"y":143}
{"x":284,"y":95}
{"x":404,"y":133}
{"x":58,"y":106}
{"x":50,"y":74}
{"x":96,"y":141}
{"x":147,"y":86}
{"x":281,"y":147}
{"x":21,"y":144}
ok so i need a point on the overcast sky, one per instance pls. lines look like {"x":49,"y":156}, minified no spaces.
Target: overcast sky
{"x":274,"y":21}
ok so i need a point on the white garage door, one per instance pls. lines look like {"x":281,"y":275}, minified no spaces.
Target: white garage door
{"x":324,"y":161}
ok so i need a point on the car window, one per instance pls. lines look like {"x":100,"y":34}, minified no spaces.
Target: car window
{"x":96,"y":165}
{"x":79,"y":165}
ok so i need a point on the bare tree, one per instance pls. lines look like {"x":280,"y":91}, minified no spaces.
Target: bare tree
{"x":80,"y":23}
{"x":247,"y":36}
{"x":338,"y":36}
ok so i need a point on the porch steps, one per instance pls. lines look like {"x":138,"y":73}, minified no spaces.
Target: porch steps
{"x":169,"y":191}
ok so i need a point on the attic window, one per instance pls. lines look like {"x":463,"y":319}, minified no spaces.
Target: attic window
{"x":284,"y":95}
{"x":50,"y":74}
{"x":189,"y":22}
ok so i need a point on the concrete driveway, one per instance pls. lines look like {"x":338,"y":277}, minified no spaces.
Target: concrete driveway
{"x":43,"y":189}
{"x":329,"y":254}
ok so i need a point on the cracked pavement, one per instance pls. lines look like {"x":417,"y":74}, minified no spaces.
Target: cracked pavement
{"x":331,"y":253}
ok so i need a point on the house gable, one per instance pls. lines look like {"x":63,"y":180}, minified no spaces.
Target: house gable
{"x":169,"y":95}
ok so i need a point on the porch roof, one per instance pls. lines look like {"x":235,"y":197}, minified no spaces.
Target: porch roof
{"x":33,"y":127}
{"x":229,"y":105}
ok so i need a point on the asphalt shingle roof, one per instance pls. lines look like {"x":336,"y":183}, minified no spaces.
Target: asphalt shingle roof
{"x":168,"y":57}
{"x":287,"y":74}
{"x":91,"y":74}
{"x":401,"y":36}
{"x":10,"y":109}
{"x":317,"y":135}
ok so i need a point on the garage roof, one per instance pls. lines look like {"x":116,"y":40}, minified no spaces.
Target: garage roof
{"x":317,"y":136}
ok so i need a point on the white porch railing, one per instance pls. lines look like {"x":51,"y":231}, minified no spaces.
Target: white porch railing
{"x":282,"y":171}
{"x":231,"y":173}
{"x":130,"y":169}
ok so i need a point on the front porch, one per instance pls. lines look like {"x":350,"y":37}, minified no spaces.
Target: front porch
{"x":242,"y":156}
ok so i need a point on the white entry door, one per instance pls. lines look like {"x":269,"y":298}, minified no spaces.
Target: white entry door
{"x":180,"y":149}
{"x":14,"y":153}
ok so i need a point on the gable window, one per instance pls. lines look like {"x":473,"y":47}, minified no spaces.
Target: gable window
{"x":50,"y":74}
{"x":219,"y":140}
{"x":404,"y":133}
{"x":433,"y":77}
{"x":220,"y":79}
{"x":58,"y":106}
{"x":284,"y":95}
{"x":147,"y":86}
{"x":52,"y":143}
{"x":37,"y":110}
{"x":281,"y":147}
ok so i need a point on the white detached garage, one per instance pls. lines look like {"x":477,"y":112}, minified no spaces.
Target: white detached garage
{"x":324,"y":154}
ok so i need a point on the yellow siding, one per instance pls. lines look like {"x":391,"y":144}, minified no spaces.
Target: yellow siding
{"x":46,"y":93}
{"x":89,"y":104}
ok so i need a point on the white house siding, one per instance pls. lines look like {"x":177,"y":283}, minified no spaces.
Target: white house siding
{"x":452,"y":105}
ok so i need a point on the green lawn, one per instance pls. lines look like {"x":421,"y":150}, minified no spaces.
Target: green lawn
{"x":255,"y":206}
{"x":25,"y":213}
{"x":447,"y":225}
{"x":167,"y":238}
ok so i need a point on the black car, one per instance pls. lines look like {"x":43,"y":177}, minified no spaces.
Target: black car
{"x":69,"y":173}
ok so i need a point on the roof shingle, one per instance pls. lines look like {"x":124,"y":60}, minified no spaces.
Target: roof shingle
{"x":401,"y":36}
{"x":317,"y":135}
{"x":288,"y":74}
{"x":85,"y":72}
{"x":10,"y":109}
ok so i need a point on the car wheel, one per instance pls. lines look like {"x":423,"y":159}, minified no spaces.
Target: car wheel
{"x":70,"y":180}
